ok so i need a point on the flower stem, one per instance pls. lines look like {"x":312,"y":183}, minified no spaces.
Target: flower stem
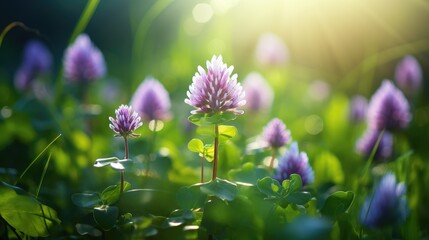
{"x":216,"y":149}
{"x":126,"y":157}
{"x":152,"y":147}
{"x":273,"y":156}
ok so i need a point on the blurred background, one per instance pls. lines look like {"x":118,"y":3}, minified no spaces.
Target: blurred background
{"x":331,"y":50}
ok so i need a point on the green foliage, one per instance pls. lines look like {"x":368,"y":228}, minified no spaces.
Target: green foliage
{"x":19,"y":209}
{"x":115,"y":163}
{"x":112,"y":193}
{"x":337,"y":204}
{"x":328,"y":169}
{"x":202,"y":119}
{"x":87,"y":199}
{"x":289,"y":192}
{"x":106,"y":216}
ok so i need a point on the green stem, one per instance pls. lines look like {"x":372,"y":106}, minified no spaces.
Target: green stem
{"x":126,"y":157}
{"x":152,"y":147}
{"x":216,"y":149}
{"x":273,"y":156}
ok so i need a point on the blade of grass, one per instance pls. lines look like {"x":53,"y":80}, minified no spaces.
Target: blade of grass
{"x":38,"y":156}
{"x":43,"y":174}
{"x":80,"y":27}
{"x":13,"y":25}
{"x":142,"y":30}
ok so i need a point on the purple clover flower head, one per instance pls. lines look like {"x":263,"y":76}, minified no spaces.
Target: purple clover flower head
{"x":366,"y":144}
{"x":387,"y":206}
{"x":294,"y":162}
{"x":388,"y":108}
{"x":36,"y":60}
{"x":83,"y":62}
{"x":259,"y":94}
{"x":276,"y":134}
{"x":408,"y":74}
{"x":271,"y":50}
{"x":126,"y":121}
{"x":151,"y":100}
{"x":358,"y":108}
{"x":215,"y":91}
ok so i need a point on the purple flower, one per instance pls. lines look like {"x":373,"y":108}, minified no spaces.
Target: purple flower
{"x":294,"y":162}
{"x":358,"y":108}
{"x":408,"y":74}
{"x":259,"y":95}
{"x":151,"y":100}
{"x":387,"y":205}
{"x":83,"y":61}
{"x":388,"y":108}
{"x":271,"y":50}
{"x":126,"y":122}
{"x":36,"y":60}
{"x":276,"y":134}
{"x":215,"y":91}
{"x":366,"y":144}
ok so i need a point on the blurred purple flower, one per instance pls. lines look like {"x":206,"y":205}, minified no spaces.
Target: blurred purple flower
{"x":36,"y":60}
{"x":83,"y":62}
{"x":388,"y":108}
{"x":358,"y":108}
{"x":271,"y":50}
{"x":151,"y":100}
{"x":126,"y":122}
{"x":276,"y":134}
{"x":387,"y":206}
{"x":259,"y":94}
{"x":215,"y":91}
{"x":408,"y":74}
{"x":365,"y":145}
{"x":319,"y":90}
{"x":294,"y":162}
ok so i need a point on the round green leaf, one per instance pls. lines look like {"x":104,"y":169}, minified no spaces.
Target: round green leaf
{"x":220,"y":188}
{"x":106,"y":216}
{"x":111,"y":194}
{"x":337,"y":203}
{"x":196,"y":145}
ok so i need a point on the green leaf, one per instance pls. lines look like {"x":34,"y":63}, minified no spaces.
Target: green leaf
{"x":20,"y":209}
{"x":196,"y":118}
{"x":86,"y":199}
{"x":248,"y":173}
{"x":327,"y":168}
{"x":196,"y":145}
{"x":337,"y":204}
{"x":190,"y":197}
{"x":114,"y":162}
{"x":111,"y":194}
{"x":101,"y":162}
{"x":122,"y":165}
{"x":106,"y":216}
{"x":85,"y":229}
{"x":209,"y":152}
{"x":226,"y":132}
{"x":299,"y":198}
{"x":295,"y":183}
{"x":220,"y":188}
{"x":269,"y":187}
{"x":202,"y":119}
